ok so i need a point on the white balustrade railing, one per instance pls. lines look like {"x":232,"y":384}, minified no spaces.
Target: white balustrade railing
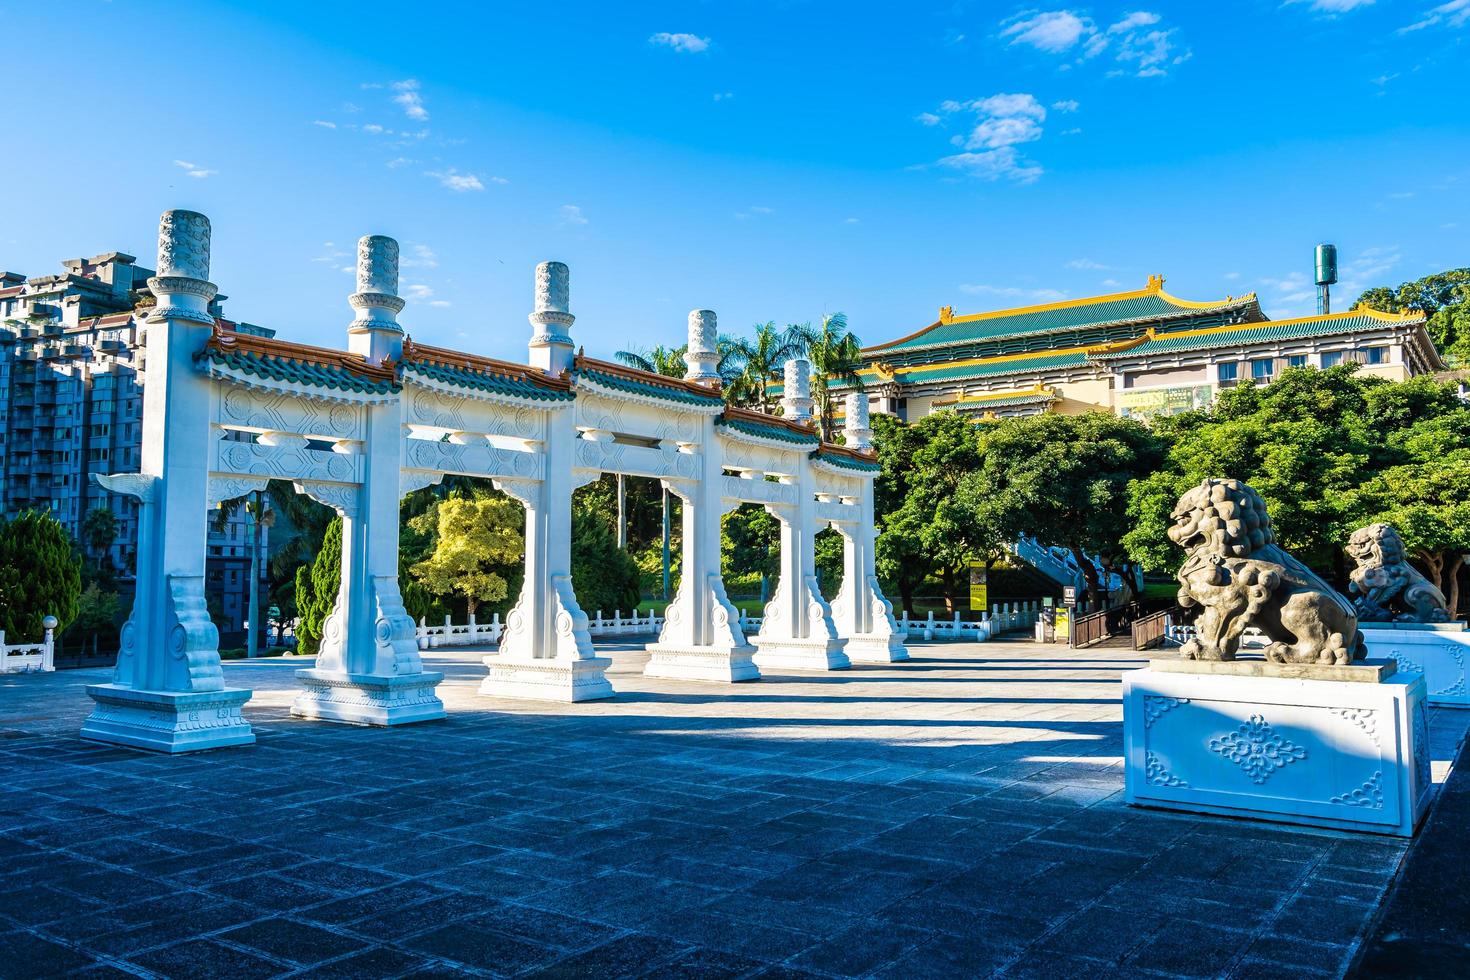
{"x":1000,"y":618}
{"x":1178,"y":634}
{"x":19,"y":658}
{"x":486,"y":634}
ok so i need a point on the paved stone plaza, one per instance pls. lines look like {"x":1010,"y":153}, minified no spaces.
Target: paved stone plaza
{"x":957,"y":815}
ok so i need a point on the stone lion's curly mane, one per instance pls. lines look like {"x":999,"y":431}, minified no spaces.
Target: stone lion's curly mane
{"x":1222,"y":517}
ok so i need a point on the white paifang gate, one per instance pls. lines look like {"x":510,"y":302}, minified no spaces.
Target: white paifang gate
{"x":357,"y":429}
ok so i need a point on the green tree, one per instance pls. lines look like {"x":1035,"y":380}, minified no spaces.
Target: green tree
{"x":934,"y":530}
{"x":97,"y":612}
{"x":1444,"y":298}
{"x":604,"y":576}
{"x":40,"y":576}
{"x":668,"y":361}
{"x":836,"y":356}
{"x":899,"y":558}
{"x":1063,"y":479}
{"x":317,"y":585}
{"x":99,"y":533}
{"x":759,"y":360}
{"x":1301,"y":442}
{"x":478,"y":537}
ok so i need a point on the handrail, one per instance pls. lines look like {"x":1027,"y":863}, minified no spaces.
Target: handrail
{"x":1152,"y":630}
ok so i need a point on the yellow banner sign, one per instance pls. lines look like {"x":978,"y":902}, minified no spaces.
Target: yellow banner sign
{"x":979,"y":590}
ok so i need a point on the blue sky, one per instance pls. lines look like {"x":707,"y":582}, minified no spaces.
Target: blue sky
{"x":768,"y":160}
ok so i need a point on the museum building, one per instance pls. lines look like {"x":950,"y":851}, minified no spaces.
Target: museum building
{"x":1135,"y":353}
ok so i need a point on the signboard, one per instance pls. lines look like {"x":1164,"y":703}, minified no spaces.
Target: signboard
{"x":979,"y":588}
{"x":1144,"y":402}
{"x":1069,"y":595}
{"x":1046,"y":601}
{"x":1063,"y":628}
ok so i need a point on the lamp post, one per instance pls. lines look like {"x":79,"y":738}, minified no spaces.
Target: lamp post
{"x":49,"y":657}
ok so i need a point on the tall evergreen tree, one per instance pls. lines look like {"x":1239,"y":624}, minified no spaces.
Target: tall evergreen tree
{"x":40,"y":576}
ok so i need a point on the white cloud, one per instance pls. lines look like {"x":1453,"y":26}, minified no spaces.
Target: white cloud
{"x":849,"y":221}
{"x":194,"y":170}
{"x":397,"y":162}
{"x":1014,"y":292}
{"x":330,"y":253}
{"x":927,"y":119}
{"x":324,"y":124}
{"x":1002,"y":122}
{"x":419,"y":257}
{"x":571,"y":214}
{"x":724,"y":96}
{"x":1454,"y":14}
{"x":1110,"y":283}
{"x":1053,"y":31}
{"x":440,"y":303}
{"x":456,"y":181}
{"x":1087,"y":264}
{"x":418,"y":291}
{"x":757,"y":209}
{"x":1066,"y":105}
{"x":409,"y":100}
{"x":1335,"y":6}
{"x":373,"y":129}
{"x":685,"y":43}
{"x":1136,"y":41}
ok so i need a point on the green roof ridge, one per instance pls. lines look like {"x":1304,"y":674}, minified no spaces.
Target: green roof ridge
{"x":633,"y":386}
{"x":485,"y":381}
{"x":297,"y":372}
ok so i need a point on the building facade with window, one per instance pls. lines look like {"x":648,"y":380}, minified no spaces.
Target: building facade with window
{"x":1137,"y":353}
{"x":72,"y":369}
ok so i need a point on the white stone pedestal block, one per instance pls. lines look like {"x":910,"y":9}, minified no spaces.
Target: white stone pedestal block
{"x":778,"y":654}
{"x":727,"y":664}
{"x":547,"y":679}
{"x":875,"y":649}
{"x":1437,"y":650}
{"x":167,"y":721}
{"x":368,"y":699}
{"x":1251,"y":739}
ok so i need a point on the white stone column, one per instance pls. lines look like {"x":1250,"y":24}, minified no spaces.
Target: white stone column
{"x":375,"y":333}
{"x":168,"y":692}
{"x":862,"y":613}
{"x":551,"y":347}
{"x":702,"y":353}
{"x":368,"y":671}
{"x":701,"y":637}
{"x":545,"y":651}
{"x":797,"y":632}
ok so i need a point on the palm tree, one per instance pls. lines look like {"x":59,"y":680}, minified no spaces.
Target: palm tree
{"x":668,"y":361}
{"x":758,"y":359}
{"x":836,"y":356}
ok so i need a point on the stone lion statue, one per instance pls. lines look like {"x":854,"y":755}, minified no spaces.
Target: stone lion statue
{"x":1238,"y":577}
{"x":1384,"y":587}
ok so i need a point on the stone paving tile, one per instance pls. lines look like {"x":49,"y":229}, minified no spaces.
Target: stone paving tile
{"x":957,"y":815}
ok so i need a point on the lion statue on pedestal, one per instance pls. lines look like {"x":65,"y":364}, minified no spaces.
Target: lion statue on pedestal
{"x":1384,"y":587}
{"x":1238,"y":578}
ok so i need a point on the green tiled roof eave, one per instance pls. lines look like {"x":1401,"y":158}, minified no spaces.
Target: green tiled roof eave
{"x":777,"y":432}
{"x":982,"y":405}
{"x":296,"y":372}
{"x":482,"y":381}
{"x":1028,"y":365}
{"x":1257,"y":334}
{"x":1088,"y":314}
{"x":845,"y":462}
{"x":619,"y":383}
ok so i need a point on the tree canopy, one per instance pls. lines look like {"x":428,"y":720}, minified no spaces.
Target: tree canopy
{"x":40,"y":576}
{"x":1444,"y":298}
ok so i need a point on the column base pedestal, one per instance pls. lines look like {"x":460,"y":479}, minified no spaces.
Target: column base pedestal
{"x":1345,"y":747}
{"x":547,"y":680}
{"x":727,"y":664}
{"x":774,"y":654}
{"x":866,"y":648}
{"x":1439,"y":650}
{"x":368,"y":699}
{"x":167,"y":721}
